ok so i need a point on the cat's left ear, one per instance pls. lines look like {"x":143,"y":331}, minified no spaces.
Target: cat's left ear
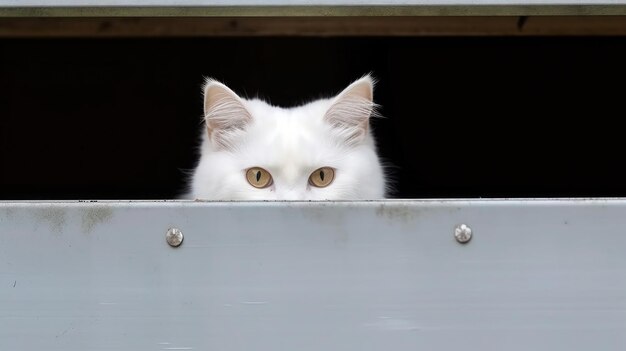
{"x":351,"y":110}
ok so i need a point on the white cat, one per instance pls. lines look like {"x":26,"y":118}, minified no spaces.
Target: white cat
{"x":322,"y":150}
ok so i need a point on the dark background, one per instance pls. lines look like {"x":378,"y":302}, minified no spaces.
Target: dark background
{"x":465,"y":117}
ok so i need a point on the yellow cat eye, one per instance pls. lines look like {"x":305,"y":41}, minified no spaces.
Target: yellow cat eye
{"x":258,"y":177}
{"x":322,"y":177}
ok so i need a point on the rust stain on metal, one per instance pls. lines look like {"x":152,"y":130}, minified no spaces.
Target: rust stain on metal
{"x":6,"y":213}
{"x":54,"y":217}
{"x":397,"y":212}
{"x":93,"y":216}
{"x":334,"y":220}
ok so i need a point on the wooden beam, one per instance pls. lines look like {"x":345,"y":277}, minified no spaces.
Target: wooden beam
{"x":312,"y":26}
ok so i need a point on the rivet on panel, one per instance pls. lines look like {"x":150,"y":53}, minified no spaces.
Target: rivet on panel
{"x":462,"y":233}
{"x":174,"y":237}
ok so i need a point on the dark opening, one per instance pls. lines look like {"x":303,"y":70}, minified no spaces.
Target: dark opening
{"x":465,"y":117}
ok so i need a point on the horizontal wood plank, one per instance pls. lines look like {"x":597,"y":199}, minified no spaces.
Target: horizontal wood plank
{"x":311,"y":26}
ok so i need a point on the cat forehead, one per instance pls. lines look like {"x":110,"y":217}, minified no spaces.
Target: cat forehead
{"x":314,"y":110}
{"x":287,"y":138}
{"x":288,"y":129}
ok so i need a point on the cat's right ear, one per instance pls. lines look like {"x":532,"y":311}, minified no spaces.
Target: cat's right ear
{"x":224,"y":113}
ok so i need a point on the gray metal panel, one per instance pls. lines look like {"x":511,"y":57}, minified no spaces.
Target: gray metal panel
{"x":122,"y":8}
{"x":133,"y":3}
{"x":537,"y":275}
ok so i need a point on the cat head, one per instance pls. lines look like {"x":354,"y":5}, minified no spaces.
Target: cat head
{"x":322,"y":150}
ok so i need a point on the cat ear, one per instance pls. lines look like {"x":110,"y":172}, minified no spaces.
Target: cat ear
{"x":224,"y":113}
{"x":350,"y":111}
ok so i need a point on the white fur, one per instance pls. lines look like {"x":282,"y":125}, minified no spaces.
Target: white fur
{"x":290,"y":143}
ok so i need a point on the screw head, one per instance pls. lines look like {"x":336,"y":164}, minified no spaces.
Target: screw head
{"x":174,"y":237}
{"x":462,"y":233}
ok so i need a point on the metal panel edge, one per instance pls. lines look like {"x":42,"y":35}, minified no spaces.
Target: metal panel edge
{"x":296,"y":11}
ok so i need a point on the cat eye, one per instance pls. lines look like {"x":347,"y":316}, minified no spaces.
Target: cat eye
{"x":322,"y":177}
{"x":258,"y":177}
